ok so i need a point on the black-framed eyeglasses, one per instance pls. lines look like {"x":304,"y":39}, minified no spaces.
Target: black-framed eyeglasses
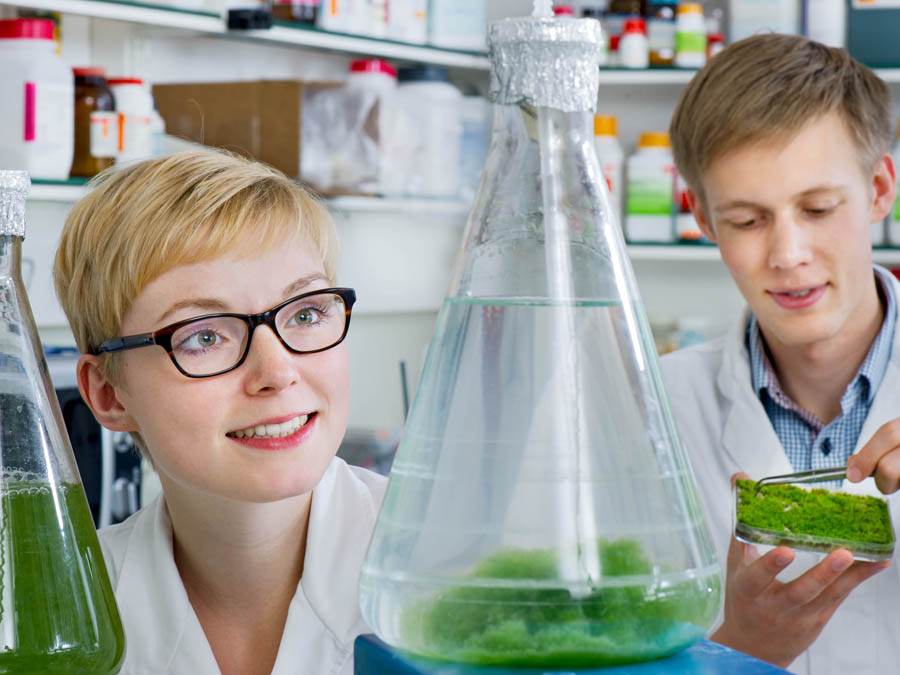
{"x":213,"y":344}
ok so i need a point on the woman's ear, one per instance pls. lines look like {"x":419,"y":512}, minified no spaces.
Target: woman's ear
{"x":101,"y":396}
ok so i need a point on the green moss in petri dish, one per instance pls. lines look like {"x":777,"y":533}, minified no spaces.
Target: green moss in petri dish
{"x":524,"y":620}
{"x":817,"y":512}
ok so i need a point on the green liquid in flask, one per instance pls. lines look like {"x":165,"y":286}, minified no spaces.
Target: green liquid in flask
{"x":466,"y":562}
{"x":58,"y":610}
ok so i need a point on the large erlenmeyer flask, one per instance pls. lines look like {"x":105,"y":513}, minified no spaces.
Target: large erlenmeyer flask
{"x":541,"y":510}
{"x":57,"y":609}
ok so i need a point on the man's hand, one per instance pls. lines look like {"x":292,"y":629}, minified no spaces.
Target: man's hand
{"x":880,"y":457}
{"x":777,"y":621}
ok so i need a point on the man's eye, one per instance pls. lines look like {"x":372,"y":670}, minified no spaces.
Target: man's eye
{"x":819,"y":213}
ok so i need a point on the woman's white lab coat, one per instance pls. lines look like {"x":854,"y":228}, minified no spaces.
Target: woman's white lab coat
{"x":725,"y":429}
{"x":162,"y":631}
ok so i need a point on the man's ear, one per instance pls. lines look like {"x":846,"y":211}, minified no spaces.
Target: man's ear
{"x":884,"y":182}
{"x":697,"y":209}
{"x":101,"y":396}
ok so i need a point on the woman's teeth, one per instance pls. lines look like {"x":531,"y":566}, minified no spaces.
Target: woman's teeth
{"x":271,"y":430}
{"x":800,"y":294}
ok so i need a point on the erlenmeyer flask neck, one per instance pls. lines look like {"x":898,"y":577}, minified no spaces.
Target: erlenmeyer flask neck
{"x":10,"y":256}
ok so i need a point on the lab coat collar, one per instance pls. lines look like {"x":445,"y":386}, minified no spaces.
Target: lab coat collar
{"x":151,"y":588}
{"x":323,"y":617}
{"x":748,"y":437}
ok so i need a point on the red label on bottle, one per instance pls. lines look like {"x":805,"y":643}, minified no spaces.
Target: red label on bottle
{"x":30,"y":91}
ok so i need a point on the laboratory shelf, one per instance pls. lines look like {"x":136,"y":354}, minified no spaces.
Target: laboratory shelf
{"x":280,"y":33}
{"x":285,"y":33}
{"x":132,"y":12}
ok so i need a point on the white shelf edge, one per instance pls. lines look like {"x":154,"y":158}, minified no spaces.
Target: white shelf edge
{"x":442,"y":207}
{"x":364,"y":45}
{"x":130,"y":13}
{"x":41,"y":192}
{"x":652,"y":76}
{"x":673,"y":252}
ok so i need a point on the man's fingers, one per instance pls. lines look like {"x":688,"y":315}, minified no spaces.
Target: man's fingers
{"x":862,"y":464}
{"x":887,"y":472}
{"x":737,"y":476}
{"x":807,"y":587}
{"x":857,"y":573}
{"x":757,"y":576}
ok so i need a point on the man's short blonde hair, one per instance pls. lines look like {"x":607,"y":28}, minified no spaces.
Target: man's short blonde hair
{"x":138,"y":222}
{"x":767,"y":88}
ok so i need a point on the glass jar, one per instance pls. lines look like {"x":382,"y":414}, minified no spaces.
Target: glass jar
{"x":96,"y":129}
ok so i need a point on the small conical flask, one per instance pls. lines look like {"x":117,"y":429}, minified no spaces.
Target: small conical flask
{"x":541,"y":509}
{"x":58,"y":613}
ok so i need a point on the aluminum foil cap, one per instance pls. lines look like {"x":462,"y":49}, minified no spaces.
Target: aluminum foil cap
{"x":546,"y":62}
{"x":14,"y":187}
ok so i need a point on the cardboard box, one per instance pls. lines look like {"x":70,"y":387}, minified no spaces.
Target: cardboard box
{"x":258,"y":119}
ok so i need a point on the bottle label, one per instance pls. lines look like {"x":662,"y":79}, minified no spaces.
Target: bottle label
{"x":104,"y":133}
{"x":134,"y":136}
{"x":690,"y":42}
{"x":897,"y":209}
{"x":649,"y":191}
{"x":48,"y":113}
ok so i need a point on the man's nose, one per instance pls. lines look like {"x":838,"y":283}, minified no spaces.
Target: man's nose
{"x":789,"y":244}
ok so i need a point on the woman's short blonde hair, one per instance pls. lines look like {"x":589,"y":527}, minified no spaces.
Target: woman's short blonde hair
{"x":767,"y":88}
{"x":138,"y":222}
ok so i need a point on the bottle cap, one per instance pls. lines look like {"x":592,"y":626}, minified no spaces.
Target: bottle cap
{"x":635,"y":25}
{"x":654,"y":139}
{"x":564,"y":10}
{"x":30,"y":29}
{"x":545,"y":62}
{"x":604,"y":125}
{"x":113,"y":81}
{"x":89,"y":71}
{"x":423,"y":74}
{"x":690,"y":8}
{"x":372,"y":66}
{"x":13,"y":190}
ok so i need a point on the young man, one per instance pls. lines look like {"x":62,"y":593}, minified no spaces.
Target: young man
{"x":785,"y":146}
{"x":200,"y":289}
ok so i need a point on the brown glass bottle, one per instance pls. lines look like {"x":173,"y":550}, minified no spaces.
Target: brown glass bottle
{"x":95,"y":123}
{"x":298,"y":11}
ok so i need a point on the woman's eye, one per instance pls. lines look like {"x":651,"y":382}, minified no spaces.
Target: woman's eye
{"x":202,"y":339}
{"x":307,"y":316}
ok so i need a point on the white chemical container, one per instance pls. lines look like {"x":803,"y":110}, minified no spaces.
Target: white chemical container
{"x":37,"y":101}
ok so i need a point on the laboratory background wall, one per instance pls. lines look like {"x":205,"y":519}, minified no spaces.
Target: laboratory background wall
{"x":397,"y":252}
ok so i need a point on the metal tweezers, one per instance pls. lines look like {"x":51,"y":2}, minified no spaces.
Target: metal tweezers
{"x":812,"y":476}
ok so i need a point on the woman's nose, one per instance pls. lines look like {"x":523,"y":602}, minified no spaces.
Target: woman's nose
{"x":269,"y":365}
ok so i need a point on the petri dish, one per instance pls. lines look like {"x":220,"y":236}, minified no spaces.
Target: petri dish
{"x":813,"y":519}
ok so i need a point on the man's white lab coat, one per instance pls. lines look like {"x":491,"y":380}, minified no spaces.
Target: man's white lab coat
{"x":725,"y":429}
{"x":162,"y":631}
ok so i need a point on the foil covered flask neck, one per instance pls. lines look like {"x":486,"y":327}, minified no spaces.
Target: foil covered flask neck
{"x":14,"y":187}
{"x":553,"y":63}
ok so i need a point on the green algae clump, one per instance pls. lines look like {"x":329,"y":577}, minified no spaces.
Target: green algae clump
{"x":514,"y":612}
{"x":816,"y":519}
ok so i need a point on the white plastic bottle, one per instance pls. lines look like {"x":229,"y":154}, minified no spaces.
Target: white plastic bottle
{"x":342,"y":16}
{"x":37,"y":101}
{"x":612,"y":160}
{"x":893,"y":218}
{"x":134,"y":106}
{"x":649,"y":192}
{"x":690,"y":36}
{"x":826,"y":21}
{"x":458,"y":24}
{"x":634,"y":48}
{"x":432,"y":106}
